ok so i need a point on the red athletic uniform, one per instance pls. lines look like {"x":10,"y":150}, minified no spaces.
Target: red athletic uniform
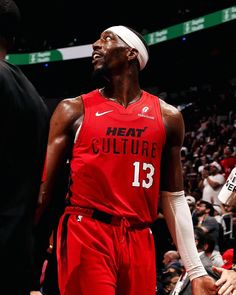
{"x":115,"y":170}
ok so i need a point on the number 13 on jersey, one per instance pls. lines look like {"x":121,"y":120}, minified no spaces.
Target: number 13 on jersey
{"x":149,"y":169}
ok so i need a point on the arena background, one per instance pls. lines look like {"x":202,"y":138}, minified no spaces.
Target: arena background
{"x":190,"y":72}
{"x":207,"y":56}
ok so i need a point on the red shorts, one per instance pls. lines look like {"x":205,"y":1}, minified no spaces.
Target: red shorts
{"x":103,"y":259}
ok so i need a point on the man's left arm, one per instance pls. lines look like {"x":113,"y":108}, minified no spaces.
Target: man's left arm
{"x":175,"y":207}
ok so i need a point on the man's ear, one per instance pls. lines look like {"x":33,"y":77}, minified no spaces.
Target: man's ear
{"x":133,"y":54}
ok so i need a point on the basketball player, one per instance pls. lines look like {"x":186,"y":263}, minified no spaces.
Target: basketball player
{"x":23,"y":131}
{"x":124,"y":146}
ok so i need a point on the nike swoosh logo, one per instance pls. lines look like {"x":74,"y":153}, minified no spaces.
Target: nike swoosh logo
{"x":103,"y":113}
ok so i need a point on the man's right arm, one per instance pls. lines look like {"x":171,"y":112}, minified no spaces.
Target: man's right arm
{"x":63,"y":124}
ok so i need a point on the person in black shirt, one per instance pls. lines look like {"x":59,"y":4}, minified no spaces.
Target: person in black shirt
{"x":24,"y":122}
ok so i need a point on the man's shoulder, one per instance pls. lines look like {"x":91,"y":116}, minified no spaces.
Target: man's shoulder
{"x":210,"y":219}
{"x":5,"y":69}
{"x":219,"y":177}
{"x":69,"y":108}
{"x":7,"y":74}
{"x":205,"y":260}
{"x":10,"y":73}
{"x":167,"y":106}
{"x":173,"y":119}
{"x":169,"y":111}
{"x":8,"y":67}
{"x":207,"y":263}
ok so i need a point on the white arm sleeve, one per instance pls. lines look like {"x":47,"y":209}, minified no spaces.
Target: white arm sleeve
{"x":179,"y":221}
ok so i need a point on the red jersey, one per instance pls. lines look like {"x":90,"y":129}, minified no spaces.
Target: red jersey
{"x":116,"y":157}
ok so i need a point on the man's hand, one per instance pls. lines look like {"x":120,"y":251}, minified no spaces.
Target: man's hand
{"x":204,"y":285}
{"x":226,"y":282}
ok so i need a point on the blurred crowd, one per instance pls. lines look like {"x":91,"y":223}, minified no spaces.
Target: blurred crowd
{"x":208,"y":156}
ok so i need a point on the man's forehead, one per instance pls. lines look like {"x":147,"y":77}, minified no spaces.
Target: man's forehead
{"x":133,"y":40}
{"x":108,"y":32}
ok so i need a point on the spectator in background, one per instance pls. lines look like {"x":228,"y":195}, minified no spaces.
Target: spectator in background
{"x":167,"y":282}
{"x":227,"y":281}
{"x":204,"y":161}
{"x":183,"y":285}
{"x":206,"y":220}
{"x":211,"y":182}
{"x":228,"y":258}
{"x":210,"y":251}
{"x":229,"y":161}
{"x":191,"y":203}
{"x":206,"y":245}
{"x":24,"y":130}
{"x":171,"y":259}
{"x":218,"y":213}
{"x":192,"y":206}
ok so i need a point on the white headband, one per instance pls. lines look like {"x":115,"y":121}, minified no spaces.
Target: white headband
{"x":131,"y":39}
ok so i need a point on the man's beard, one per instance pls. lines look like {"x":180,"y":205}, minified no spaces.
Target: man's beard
{"x":99,"y":77}
{"x":200,"y":213}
